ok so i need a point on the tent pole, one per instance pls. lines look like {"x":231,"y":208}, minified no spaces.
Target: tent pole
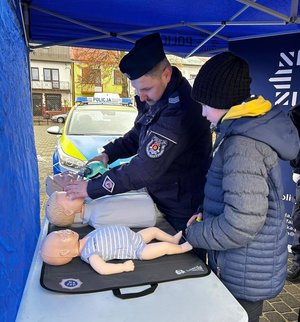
{"x":294,"y":11}
{"x":207,"y":32}
{"x":216,"y":32}
{"x":50,"y":13}
{"x":265,"y":9}
{"x":25,"y":21}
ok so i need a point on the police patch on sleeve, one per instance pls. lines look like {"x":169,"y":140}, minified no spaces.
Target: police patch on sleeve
{"x":156,"y":147}
{"x":108,"y":184}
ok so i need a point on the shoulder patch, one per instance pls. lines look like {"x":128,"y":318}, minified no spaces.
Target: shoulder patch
{"x":156,"y":147}
{"x":174,"y":100}
{"x":108,"y":184}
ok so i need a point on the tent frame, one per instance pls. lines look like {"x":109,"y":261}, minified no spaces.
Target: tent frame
{"x":104,"y":34}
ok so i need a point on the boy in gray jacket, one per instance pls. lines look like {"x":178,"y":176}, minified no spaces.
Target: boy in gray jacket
{"x":243,"y":225}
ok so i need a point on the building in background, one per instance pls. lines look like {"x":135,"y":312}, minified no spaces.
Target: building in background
{"x":60,"y":74}
{"x":97,"y":71}
{"x":51,"y":80}
{"x":189,"y":67}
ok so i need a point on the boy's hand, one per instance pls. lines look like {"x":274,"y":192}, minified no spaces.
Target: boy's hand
{"x":196,"y":217}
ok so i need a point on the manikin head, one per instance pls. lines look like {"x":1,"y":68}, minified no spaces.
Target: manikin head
{"x":148,"y":68}
{"x":59,"y":247}
{"x":61,"y":210}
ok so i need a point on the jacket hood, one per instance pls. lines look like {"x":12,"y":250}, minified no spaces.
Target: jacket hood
{"x":257,"y":119}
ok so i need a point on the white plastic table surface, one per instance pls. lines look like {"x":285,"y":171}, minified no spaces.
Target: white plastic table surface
{"x":194,"y":300}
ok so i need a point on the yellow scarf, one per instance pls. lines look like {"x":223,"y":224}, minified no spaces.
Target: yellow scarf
{"x":256,"y":107}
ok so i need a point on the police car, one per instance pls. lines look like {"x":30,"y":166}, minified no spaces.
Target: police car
{"x":87,"y":129}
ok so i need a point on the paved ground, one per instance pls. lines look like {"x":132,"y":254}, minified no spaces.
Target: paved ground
{"x":45,"y":144}
{"x":284,"y":307}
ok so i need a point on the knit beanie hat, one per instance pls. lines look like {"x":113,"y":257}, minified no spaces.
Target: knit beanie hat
{"x":223,"y":81}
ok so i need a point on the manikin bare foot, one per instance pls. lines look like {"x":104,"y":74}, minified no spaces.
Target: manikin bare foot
{"x":186,"y":247}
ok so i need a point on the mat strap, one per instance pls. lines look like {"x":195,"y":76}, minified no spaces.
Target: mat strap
{"x":125,"y":296}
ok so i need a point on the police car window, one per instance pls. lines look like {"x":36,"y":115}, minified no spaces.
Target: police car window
{"x":101,"y":122}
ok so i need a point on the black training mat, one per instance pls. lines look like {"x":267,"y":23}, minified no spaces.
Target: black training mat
{"x":78,"y":276}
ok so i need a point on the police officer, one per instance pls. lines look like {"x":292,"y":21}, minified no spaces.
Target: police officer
{"x":170,"y":140}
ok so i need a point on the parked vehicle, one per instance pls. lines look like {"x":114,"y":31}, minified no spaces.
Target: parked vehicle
{"x":126,"y":101}
{"x":59,"y":118}
{"x":87,"y":129}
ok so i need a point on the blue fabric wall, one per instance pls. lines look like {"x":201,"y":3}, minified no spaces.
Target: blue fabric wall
{"x":275,"y":71}
{"x":19,"y":184}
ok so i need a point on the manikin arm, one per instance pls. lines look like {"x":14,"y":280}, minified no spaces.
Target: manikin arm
{"x":103,"y":268}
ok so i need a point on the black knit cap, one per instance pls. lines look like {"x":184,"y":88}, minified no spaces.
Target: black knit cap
{"x":223,"y":81}
{"x":146,"y":54}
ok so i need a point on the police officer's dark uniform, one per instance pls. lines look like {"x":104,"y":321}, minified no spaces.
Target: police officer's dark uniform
{"x":171,"y":142}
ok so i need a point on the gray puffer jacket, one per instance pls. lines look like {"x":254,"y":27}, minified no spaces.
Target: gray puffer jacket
{"x":244,"y":227}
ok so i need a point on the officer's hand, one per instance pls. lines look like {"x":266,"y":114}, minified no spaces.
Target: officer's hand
{"x":194,"y":218}
{"x":103,"y":157}
{"x":77,"y":189}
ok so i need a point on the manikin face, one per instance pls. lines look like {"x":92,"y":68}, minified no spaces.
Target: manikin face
{"x":59,"y":247}
{"x":70,"y":206}
{"x":150,"y":89}
{"x":212,"y":114}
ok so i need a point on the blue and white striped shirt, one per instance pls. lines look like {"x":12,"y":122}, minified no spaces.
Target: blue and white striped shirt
{"x":113,"y":242}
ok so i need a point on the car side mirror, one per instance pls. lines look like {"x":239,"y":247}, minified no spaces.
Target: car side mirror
{"x":54,"y":130}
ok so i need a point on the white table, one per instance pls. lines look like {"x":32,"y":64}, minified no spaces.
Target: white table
{"x":194,"y":300}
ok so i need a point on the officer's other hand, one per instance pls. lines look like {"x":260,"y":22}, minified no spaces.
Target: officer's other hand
{"x":103,"y":157}
{"x":194,"y":218}
{"x":77,"y":189}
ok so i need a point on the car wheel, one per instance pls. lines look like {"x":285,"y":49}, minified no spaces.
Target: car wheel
{"x":60,"y":120}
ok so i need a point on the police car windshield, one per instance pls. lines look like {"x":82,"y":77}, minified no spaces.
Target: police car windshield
{"x":88,"y":121}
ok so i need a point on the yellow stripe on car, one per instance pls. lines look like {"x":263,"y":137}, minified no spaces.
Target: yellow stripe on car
{"x":70,"y":149}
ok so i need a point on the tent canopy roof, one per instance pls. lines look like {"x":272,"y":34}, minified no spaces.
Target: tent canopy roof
{"x":187,"y":27}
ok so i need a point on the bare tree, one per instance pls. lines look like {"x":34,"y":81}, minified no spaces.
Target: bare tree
{"x":98,"y":65}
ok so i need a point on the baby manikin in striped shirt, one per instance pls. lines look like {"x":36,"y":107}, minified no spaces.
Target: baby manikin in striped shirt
{"x":111,"y":242}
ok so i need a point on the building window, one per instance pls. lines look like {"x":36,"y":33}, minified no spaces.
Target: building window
{"x":35,"y":74}
{"x":37,"y":104}
{"x":53,"y":102}
{"x":117,"y":77}
{"x":91,"y":75}
{"x":52,"y":75}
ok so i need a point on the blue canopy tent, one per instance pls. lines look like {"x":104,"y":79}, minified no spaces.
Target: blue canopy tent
{"x":188,"y":27}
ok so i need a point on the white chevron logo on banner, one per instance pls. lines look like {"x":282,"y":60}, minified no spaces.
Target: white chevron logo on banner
{"x":282,"y":80}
